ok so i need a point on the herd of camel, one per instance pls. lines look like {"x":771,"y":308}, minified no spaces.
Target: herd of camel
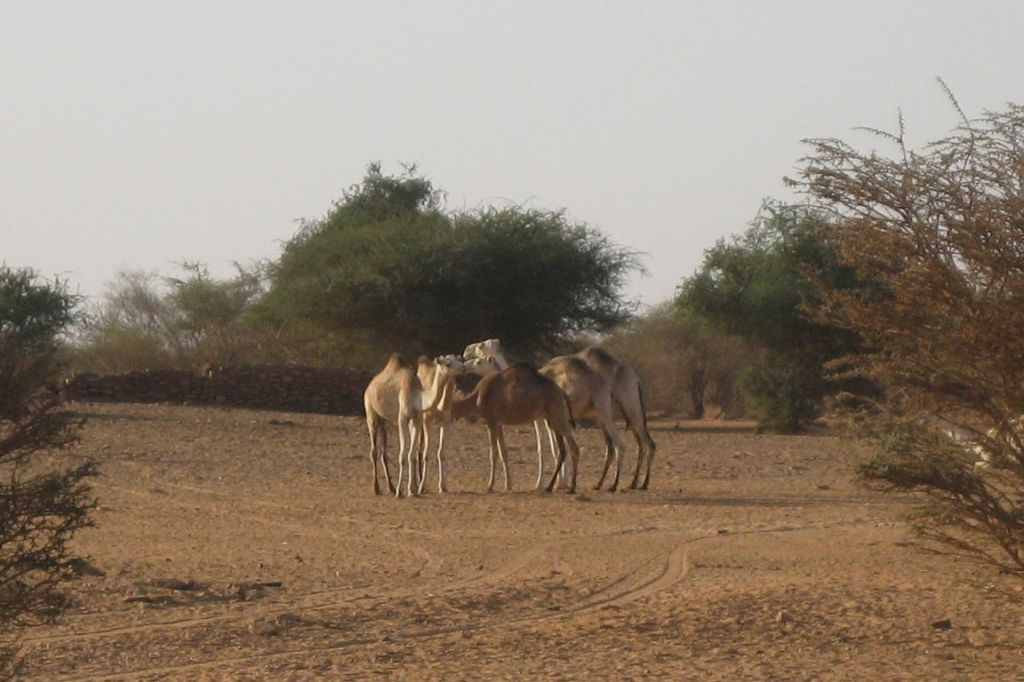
{"x":587,"y":385}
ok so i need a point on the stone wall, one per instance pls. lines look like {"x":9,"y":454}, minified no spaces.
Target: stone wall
{"x":291,"y":388}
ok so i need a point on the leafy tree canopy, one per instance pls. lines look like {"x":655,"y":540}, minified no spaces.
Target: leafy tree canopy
{"x":388,"y":266}
{"x":32,"y":313}
{"x":759,"y":286}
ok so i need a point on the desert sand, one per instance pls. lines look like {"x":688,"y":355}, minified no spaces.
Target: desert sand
{"x":237,"y":544}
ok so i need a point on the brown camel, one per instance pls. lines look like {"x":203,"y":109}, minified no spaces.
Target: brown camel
{"x":487,"y":358}
{"x":590,"y":397}
{"x":397,"y":396}
{"x":626,"y":390}
{"x":520,"y":395}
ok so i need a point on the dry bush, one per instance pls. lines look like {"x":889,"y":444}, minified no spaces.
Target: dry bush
{"x":688,"y":368}
{"x":146,"y":321}
{"x":940,"y":231}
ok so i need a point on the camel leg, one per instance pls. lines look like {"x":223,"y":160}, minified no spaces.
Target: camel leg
{"x":424,"y":445}
{"x":492,"y":447}
{"x":540,"y":452}
{"x":574,"y":453}
{"x":540,"y":456}
{"x":651,"y":447}
{"x":639,"y":459}
{"x":608,"y":454}
{"x":383,"y":440}
{"x":401,"y":458}
{"x":558,"y":464}
{"x":371,"y":425}
{"x":440,"y":469}
{"x":614,"y":445}
{"x":413,"y":458}
{"x":617,"y":446}
{"x":554,"y":449}
{"x":502,"y":449}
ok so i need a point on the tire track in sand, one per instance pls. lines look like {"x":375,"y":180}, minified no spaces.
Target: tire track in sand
{"x":651,"y":578}
{"x":312,"y":602}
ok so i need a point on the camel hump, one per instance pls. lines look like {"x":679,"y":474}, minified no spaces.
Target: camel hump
{"x":568,"y":368}
{"x":395,"y":361}
{"x":600,"y":357}
{"x":576,"y":365}
{"x":409,"y":380}
{"x":518,"y":377}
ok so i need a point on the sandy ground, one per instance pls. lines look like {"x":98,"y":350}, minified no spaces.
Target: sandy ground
{"x":248,"y":545}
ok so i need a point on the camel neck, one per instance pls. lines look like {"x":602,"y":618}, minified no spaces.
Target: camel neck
{"x":432,"y":396}
{"x":463,"y":407}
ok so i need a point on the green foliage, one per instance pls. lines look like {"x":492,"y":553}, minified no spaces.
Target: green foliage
{"x":32,"y":315}
{"x":387,"y":269}
{"x":40,"y":509}
{"x":131,"y":329}
{"x":785,"y":393}
{"x":759,"y":286}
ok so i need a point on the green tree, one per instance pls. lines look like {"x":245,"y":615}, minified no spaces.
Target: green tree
{"x":759,"y":286}
{"x":388,"y":269}
{"x":40,"y":508}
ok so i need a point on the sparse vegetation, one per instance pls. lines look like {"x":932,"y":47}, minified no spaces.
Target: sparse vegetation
{"x":146,"y":321}
{"x":689,"y":368}
{"x":941,"y":231}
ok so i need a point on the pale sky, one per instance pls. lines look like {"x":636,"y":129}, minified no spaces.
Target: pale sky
{"x":139,"y":134}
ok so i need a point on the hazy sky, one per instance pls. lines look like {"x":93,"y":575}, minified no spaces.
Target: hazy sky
{"x":138,"y":134}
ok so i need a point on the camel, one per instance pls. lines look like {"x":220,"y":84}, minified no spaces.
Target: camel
{"x":487,"y":357}
{"x":626,"y":390}
{"x":440,"y":415}
{"x":987,"y":446}
{"x":397,"y":396}
{"x":519,"y":395}
{"x":589,"y":396}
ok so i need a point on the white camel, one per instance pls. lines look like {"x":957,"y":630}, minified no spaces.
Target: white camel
{"x":989,"y":446}
{"x":397,"y":396}
{"x":439,"y":415}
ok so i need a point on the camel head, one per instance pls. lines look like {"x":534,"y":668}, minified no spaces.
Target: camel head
{"x":483,"y":349}
{"x":450,"y":364}
{"x":482,"y":366}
